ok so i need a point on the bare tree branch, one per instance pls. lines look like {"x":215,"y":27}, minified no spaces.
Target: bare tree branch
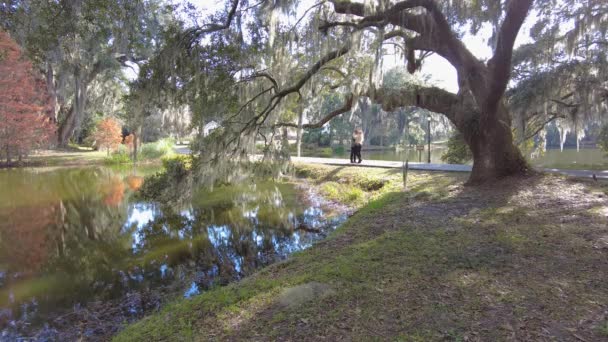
{"x":196,"y":32}
{"x":562,"y":103}
{"x":542,"y":125}
{"x":305,"y":14}
{"x":345,"y":108}
{"x":267,"y":76}
{"x":331,"y":68}
{"x":295,"y":88}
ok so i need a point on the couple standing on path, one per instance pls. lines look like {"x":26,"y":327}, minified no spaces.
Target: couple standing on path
{"x":355,"y":148}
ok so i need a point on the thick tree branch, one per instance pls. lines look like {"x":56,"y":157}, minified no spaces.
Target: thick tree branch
{"x":431,"y":98}
{"x":295,"y":88}
{"x":416,"y":22}
{"x":432,"y":26}
{"x":500,"y":63}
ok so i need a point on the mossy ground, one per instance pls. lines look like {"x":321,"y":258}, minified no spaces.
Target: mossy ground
{"x":523,"y":259}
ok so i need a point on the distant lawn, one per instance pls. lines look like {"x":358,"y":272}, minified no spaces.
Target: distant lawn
{"x":574,"y":166}
{"x":524,"y":259}
{"x":71,"y":157}
{"x":76,"y":155}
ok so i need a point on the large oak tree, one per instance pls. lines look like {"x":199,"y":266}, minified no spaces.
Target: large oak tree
{"x":322,"y":49}
{"x":478,"y":109}
{"x":421,"y":27}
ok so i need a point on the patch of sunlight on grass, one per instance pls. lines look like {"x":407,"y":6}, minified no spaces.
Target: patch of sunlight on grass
{"x":344,"y":193}
{"x":601,"y":211}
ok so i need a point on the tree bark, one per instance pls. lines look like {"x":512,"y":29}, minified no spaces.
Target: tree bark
{"x":136,"y":141}
{"x":72,"y":122}
{"x":66,"y":128}
{"x":494,"y":154}
{"x":50,"y":84}
{"x":299,"y":134}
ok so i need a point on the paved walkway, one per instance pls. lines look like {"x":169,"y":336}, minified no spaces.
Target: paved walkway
{"x":436,"y":167}
{"x":385,"y":164}
{"x":419,"y":166}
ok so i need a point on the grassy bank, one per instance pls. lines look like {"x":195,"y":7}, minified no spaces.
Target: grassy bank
{"x":75,"y":155}
{"x":524,"y":259}
{"x":68,"y":157}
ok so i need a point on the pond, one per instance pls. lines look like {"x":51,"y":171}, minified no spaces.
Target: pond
{"x":80,"y":255}
{"x":587,"y":158}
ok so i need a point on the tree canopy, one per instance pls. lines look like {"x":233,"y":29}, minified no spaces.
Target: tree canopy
{"x":256,"y":68}
{"x":296,"y":54}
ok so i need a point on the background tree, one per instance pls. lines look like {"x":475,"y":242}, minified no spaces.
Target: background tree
{"x":76,"y":42}
{"x":23,"y":122}
{"x":603,"y":138}
{"x":108,"y":134}
{"x":458,"y":152}
{"x":561,"y":76}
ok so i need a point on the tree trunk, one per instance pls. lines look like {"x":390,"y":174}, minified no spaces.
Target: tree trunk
{"x":299,"y":134}
{"x":50,"y":85}
{"x":74,"y":118}
{"x":66,"y":128}
{"x":428,"y":118}
{"x":136,"y":138}
{"x":401,"y":120}
{"x":494,"y":154}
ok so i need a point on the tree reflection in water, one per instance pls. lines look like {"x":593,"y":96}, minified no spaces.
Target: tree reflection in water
{"x":77,"y":235}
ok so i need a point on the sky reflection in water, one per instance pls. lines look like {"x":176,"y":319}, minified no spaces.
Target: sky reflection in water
{"x":73,"y":236}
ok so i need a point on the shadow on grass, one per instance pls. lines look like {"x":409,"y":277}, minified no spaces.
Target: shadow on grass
{"x":439,"y":261}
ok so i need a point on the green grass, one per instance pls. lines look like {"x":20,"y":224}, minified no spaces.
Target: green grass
{"x":66,"y":158}
{"x":603,"y":329}
{"x":344,"y":193}
{"x":436,"y":262}
{"x":76,"y":155}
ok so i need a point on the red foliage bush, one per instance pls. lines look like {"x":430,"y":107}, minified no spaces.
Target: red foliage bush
{"x":108,"y":134}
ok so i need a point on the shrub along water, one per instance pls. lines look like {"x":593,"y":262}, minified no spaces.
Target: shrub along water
{"x":149,"y":152}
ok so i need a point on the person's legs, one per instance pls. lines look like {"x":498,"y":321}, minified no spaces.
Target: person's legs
{"x":358,"y":154}
{"x":352,"y":153}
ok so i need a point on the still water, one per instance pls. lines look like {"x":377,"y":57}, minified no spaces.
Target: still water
{"x":80,"y":255}
{"x":588,"y":158}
